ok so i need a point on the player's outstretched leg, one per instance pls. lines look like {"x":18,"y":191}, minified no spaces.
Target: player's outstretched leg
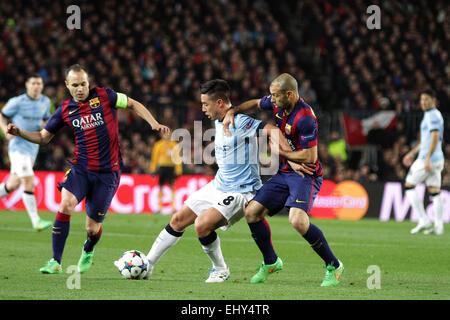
{"x":169,"y":236}
{"x":211,"y":246}
{"x":29,"y":200}
{"x":260,"y":230}
{"x":299,"y":219}
{"x":333,"y":266}
{"x":438,"y":227}
{"x":87,"y":254}
{"x":417,"y":205}
{"x":272,"y":263}
{"x":205,"y":226}
{"x":60,"y":232}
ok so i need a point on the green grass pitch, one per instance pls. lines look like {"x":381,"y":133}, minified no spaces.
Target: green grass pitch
{"x":411,"y":266}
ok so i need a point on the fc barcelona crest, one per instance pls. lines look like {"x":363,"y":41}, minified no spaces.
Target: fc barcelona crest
{"x":288,"y":128}
{"x":94,"y":103}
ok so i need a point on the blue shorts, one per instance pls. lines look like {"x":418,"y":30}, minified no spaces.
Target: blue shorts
{"x":289,"y":189}
{"x":97,"y":187}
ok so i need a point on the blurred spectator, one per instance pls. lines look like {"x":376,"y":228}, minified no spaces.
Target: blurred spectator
{"x":56,"y":161}
{"x":328,"y":163}
{"x":308,"y":93}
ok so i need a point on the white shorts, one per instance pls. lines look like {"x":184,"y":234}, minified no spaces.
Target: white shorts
{"x":230,"y":204}
{"x":21,"y":164}
{"x":417,"y":173}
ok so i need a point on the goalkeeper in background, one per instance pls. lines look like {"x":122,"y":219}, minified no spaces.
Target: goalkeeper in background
{"x":166,"y":163}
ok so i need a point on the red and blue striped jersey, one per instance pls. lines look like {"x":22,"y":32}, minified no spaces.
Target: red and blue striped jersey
{"x":95,"y":127}
{"x":299,"y":127}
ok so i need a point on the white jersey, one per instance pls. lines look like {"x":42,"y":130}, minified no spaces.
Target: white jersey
{"x":432,"y":121}
{"x":237,"y":156}
{"x":27,"y":114}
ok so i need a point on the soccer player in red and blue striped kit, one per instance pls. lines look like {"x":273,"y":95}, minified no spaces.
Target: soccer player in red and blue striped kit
{"x":298,"y":123}
{"x":91,"y":114}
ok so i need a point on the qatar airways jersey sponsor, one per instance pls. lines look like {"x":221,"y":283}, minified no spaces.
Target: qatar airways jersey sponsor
{"x":89,"y":121}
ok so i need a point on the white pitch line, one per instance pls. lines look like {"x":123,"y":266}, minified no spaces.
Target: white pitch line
{"x":249,"y":239}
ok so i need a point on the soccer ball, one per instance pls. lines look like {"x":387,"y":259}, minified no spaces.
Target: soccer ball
{"x":132,"y":265}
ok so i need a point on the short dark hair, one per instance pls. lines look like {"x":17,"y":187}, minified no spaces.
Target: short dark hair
{"x":32,"y":75}
{"x":75,"y":67}
{"x":216,"y":89}
{"x":429,"y":92}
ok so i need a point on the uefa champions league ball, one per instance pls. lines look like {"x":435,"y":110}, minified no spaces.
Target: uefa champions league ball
{"x":132,"y":265}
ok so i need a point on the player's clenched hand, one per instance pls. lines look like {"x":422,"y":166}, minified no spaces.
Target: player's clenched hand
{"x":162,"y":129}
{"x":13,"y":129}
{"x":302,"y":168}
{"x":229,"y":119}
{"x":407,"y":160}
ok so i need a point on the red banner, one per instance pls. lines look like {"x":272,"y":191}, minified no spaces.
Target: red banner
{"x":137,"y":193}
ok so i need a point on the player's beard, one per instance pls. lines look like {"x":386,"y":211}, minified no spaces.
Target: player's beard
{"x":284,"y":103}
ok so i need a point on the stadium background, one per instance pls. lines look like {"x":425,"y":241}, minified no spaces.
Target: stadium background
{"x":158,"y":52}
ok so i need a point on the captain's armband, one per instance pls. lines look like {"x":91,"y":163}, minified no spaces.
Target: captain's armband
{"x":122,"y":100}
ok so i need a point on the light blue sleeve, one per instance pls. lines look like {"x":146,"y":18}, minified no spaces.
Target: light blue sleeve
{"x":434,"y":121}
{"x":11,"y":107}
{"x":247,"y":126}
{"x":47,"y":109}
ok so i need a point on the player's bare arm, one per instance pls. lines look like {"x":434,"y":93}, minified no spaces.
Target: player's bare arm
{"x":143,"y":112}
{"x":42,"y":137}
{"x":278,"y":142}
{"x":302,"y":156}
{"x":250,"y":106}
{"x":280,"y":145}
{"x":409,"y":157}
{"x":4,"y":125}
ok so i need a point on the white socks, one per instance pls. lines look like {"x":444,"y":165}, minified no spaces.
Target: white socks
{"x":30,"y":204}
{"x":437,"y":209}
{"x":163,"y":242}
{"x":28,"y":200}
{"x":417,"y":205}
{"x":214,"y":252}
{"x":168,"y":237}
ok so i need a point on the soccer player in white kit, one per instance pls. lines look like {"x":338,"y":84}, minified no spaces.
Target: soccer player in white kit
{"x":28,"y":111}
{"x":221,"y":202}
{"x":428,"y":165}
